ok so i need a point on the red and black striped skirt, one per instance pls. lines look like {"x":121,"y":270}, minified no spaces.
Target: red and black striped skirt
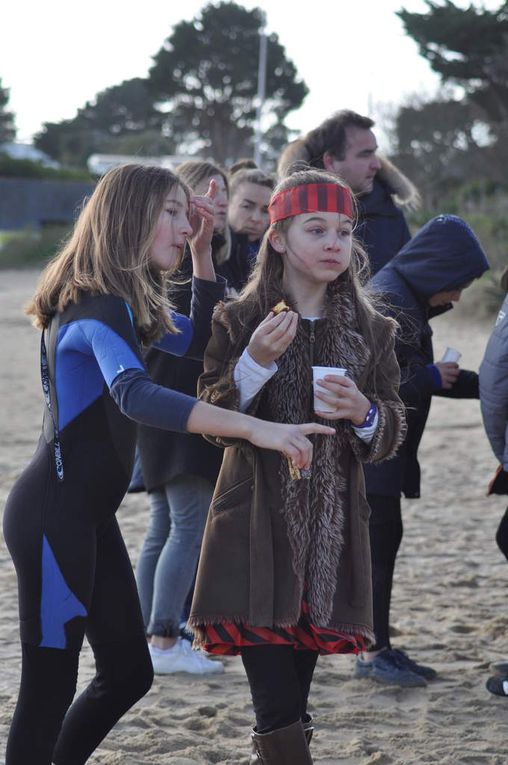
{"x":229,"y":638}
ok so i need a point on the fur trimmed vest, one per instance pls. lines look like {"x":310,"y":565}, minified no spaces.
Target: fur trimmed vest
{"x":285,"y":535}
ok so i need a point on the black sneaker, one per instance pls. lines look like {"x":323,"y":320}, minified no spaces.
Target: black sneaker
{"x":420,"y":669}
{"x":500,"y":667}
{"x":498,"y":685}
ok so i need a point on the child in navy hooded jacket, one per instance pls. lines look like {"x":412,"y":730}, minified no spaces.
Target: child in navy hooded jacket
{"x":420,"y":282}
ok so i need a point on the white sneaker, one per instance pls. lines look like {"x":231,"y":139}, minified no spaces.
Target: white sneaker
{"x":181,"y":658}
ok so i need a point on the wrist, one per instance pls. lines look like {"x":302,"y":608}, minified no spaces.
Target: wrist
{"x":259,"y":359}
{"x":368,"y":418}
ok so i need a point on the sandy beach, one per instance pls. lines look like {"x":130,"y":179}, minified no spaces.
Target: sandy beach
{"x":449,"y":603}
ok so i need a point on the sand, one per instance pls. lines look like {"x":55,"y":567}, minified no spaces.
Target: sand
{"x":449,"y":606}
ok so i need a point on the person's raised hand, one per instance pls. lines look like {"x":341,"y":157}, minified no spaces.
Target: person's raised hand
{"x":202,"y":221}
{"x":271,"y":338}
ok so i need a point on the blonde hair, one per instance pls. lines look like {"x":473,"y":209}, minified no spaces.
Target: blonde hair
{"x":108,"y":251}
{"x":247,"y":174}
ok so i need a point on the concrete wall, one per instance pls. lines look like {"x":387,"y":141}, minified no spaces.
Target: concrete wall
{"x":29,"y":202}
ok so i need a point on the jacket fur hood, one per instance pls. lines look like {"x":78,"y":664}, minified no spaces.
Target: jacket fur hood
{"x":405,"y":192}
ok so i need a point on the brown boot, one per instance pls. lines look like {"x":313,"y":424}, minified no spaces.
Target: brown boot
{"x":284,"y":746}
{"x":308,"y":729}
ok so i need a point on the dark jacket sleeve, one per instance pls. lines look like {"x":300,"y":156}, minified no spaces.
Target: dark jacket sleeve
{"x":383,"y":392}
{"x":467,"y":386}
{"x":194,"y":331}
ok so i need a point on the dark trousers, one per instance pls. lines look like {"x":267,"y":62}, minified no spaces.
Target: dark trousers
{"x":279,"y":677}
{"x":385,"y":537}
{"x":502,"y":534}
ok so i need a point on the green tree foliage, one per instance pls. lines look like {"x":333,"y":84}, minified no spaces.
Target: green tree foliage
{"x":122,"y":109}
{"x":468,"y":47}
{"x":7,"y":128}
{"x":435,"y":144}
{"x":205,"y":76}
{"x":105,"y":125}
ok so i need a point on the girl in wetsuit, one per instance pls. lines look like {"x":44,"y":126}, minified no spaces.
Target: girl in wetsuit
{"x":98,"y":302}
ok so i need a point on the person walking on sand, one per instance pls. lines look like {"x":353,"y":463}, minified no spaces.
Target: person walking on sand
{"x":102,"y":297}
{"x":422,"y":281}
{"x":494,"y":406}
{"x":180,"y":469}
{"x":284,"y":572}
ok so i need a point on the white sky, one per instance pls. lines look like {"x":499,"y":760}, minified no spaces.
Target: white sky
{"x":56,"y":55}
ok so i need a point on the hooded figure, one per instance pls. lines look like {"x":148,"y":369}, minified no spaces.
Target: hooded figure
{"x":443,"y":257}
{"x":420,"y":282}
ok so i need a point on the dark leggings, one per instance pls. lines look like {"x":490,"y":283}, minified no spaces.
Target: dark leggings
{"x":502,"y":534}
{"x":279,"y":677}
{"x":48,"y":683}
{"x":385,"y":538}
{"x":48,"y":726}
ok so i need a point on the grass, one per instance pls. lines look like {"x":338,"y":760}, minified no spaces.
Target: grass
{"x":30,"y":248}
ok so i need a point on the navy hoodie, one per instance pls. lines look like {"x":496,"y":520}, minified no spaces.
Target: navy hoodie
{"x":444,"y":255}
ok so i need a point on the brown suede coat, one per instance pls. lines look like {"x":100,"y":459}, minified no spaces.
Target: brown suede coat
{"x":268,"y":536}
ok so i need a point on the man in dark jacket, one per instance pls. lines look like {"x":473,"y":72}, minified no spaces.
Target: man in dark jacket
{"x":421,"y":281}
{"x":345,"y":145}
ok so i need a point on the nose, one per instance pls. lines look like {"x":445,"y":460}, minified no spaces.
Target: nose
{"x":186,"y":228}
{"x":334,"y":243}
{"x":221,"y":201}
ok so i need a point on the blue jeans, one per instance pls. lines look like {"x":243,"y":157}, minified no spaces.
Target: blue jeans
{"x":168,"y":558}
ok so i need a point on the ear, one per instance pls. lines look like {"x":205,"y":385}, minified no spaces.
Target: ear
{"x":329,"y":162}
{"x":277,"y":241}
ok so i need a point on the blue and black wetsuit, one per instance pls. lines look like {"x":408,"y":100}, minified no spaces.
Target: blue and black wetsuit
{"x":74,"y":574}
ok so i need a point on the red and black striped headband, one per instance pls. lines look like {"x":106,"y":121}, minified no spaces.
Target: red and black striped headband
{"x":311,"y":197}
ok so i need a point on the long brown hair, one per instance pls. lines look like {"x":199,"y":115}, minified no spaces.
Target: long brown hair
{"x":266,"y":282}
{"x":269,"y":269}
{"x":108,"y":251}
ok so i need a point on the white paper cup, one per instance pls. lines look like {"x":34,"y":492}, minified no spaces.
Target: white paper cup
{"x":317,"y":374}
{"x":451,"y":354}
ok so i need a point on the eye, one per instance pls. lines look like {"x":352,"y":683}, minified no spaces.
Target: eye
{"x":317,"y":230}
{"x":172,"y":211}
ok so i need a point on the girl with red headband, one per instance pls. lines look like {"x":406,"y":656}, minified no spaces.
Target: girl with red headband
{"x":285,"y":566}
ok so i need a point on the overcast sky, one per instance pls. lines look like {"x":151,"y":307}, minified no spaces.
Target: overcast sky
{"x":56,"y":55}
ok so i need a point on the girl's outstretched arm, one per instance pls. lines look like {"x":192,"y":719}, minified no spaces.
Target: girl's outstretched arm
{"x":289,"y":439}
